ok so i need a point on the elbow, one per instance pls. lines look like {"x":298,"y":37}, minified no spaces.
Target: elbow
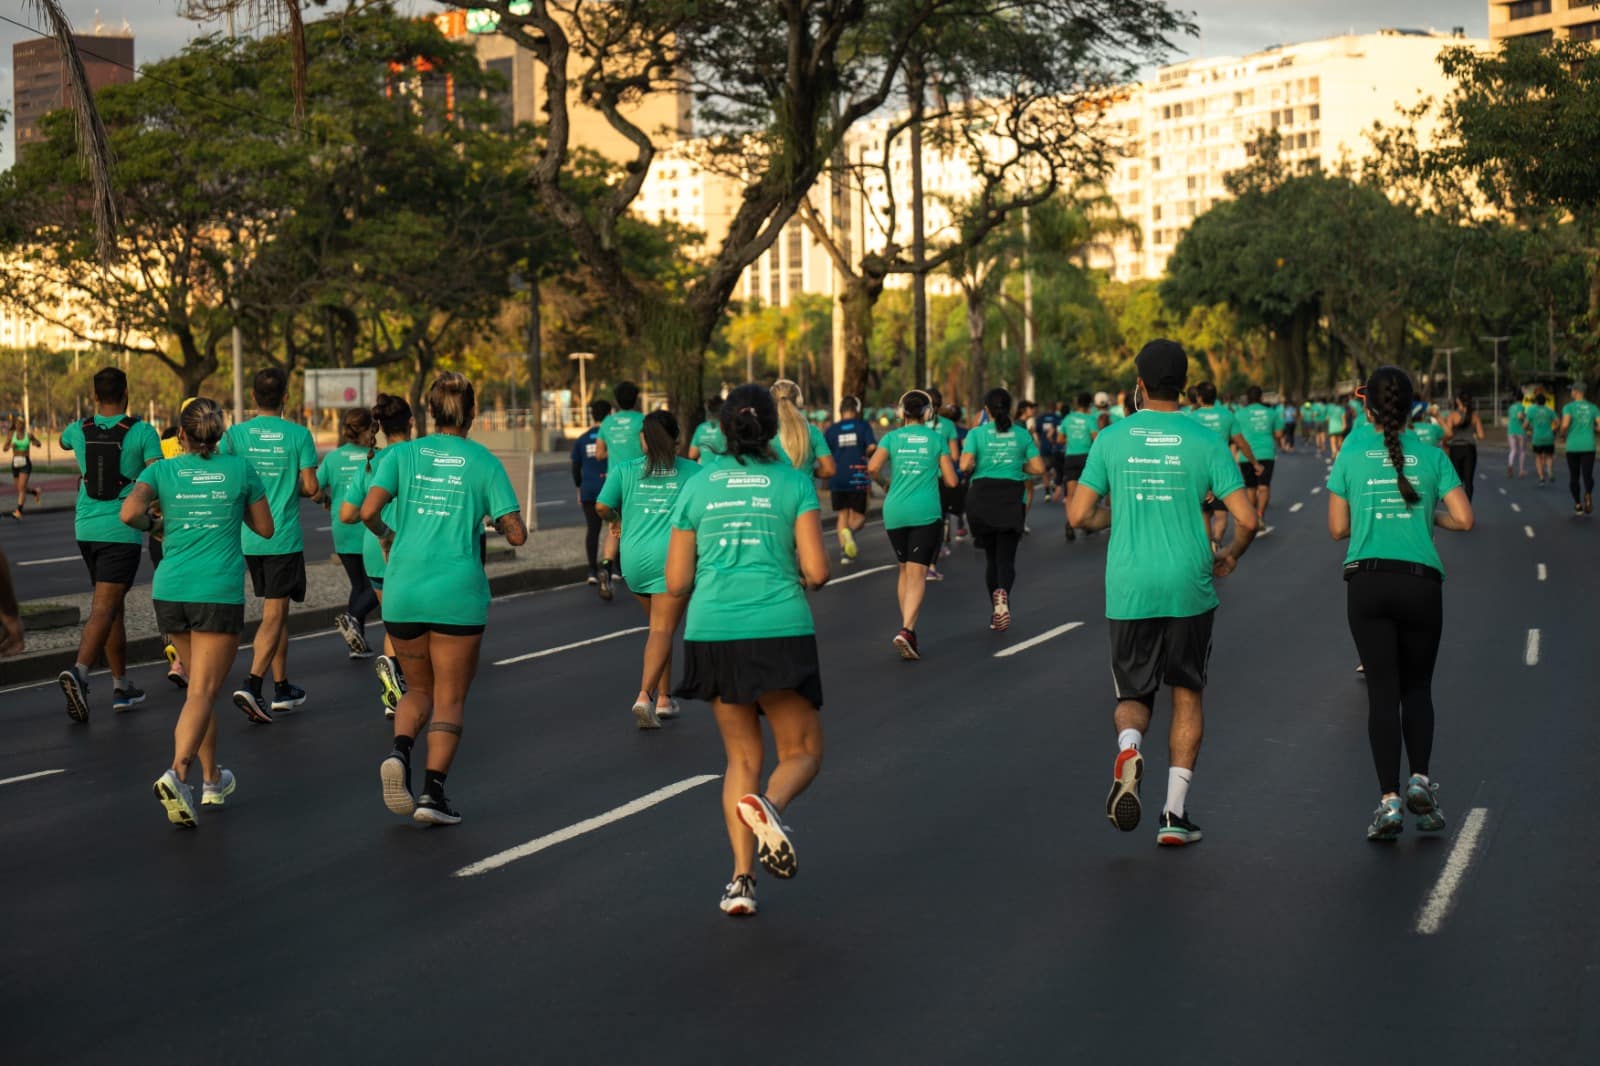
{"x":367,"y":513}
{"x":517,"y":536}
{"x":1249,"y":522}
{"x":1466,"y":521}
{"x":817,"y":576}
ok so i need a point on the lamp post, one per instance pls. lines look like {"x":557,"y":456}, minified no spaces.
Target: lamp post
{"x":1496,"y":341}
{"x":1449,"y":369}
{"x":583,"y":359}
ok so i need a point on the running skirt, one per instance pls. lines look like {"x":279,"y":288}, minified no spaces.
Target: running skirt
{"x":741,"y":671}
{"x":994,"y":505}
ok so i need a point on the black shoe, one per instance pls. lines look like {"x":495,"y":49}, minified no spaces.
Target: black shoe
{"x":1072,"y":534}
{"x":253,"y":704}
{"x":435,"y":810}
{"x":1175,"y":831}
{"x":286,"y":697}
{"x":395,"y":773}
{"x":605,"y":582}
{"x":76,"y":689}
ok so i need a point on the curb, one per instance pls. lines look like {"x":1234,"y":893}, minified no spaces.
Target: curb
{"x":44,"y":666}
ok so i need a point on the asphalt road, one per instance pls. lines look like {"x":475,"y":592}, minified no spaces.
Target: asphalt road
{"x":45,"y":559}
{"x":961,"y":900}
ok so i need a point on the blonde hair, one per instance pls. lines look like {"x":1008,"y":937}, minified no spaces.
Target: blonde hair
{"x":794,"y":432}
{"x":452,"y":402}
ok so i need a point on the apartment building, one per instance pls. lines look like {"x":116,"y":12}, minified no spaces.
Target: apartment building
{"x":1511,"y":20}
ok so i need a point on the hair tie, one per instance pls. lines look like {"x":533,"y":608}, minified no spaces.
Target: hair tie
{"x":747,"y":410}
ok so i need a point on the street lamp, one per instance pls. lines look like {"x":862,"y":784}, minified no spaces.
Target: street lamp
{"x":583,"y":359}
{"x":1449,"y":369}
{"x":1496,"y":341}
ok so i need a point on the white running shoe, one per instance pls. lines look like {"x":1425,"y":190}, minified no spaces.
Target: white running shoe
{"x":670,"y":709}
{"x":395,"y":773}
{"x":216,"y":795}
{"x":774,"y":850}
{"x":644,"y":712}
{"x":178,"y":799}
{"x":739,"y":896}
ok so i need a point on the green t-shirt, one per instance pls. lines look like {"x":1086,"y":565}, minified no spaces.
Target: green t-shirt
{"x":1319,"y":412}
{"x":355,"y":493}
{"x":101,"y":520}
{"x":202,"y":508}
{"x":1335,"y":414}
{"x":1000,"y":455}
{"x":1542,"y":424}
{"x":709,"y":439}
{"x":443,"y":487}
{"x":1381,"y":525}
{"x":913,"y":498}
{"x":948,"y":430}
{"x":1259,"y":423}
{"x":277,"y":450}
{"x":746,"y":581}
{"x":1117,"y":412}
{"x":620,"y":430}
{"x":1516,"y":421}
{"x":1079,"y":428}
{"x":1580,"y":433}
{"x":645,"y":504}
{"x":1358,"y":416}
{"x":1429,"y":433}
{"x":1158,"y":470}
{"x":337,"y":469}
{"x":1218,"y":420}
{"x":819,"y":449}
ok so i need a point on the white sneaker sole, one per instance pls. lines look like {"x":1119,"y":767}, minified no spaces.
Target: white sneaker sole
{"x":774,"y":850}
{"x":645,"y":715}
{"x":77,"y":700}
{"x":742,"y":907}
{"x":434,"y":816}
{"x":1122,"y":805}
{"x":252,"y":707}
{"x":287,"y":705}
{"x":396,"y":796}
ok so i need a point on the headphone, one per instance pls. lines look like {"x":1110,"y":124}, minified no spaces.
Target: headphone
{"x":925,"y":410}
{"x":843,"y":400}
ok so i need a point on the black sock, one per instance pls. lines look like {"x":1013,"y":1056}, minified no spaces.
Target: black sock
{"x":433,"y":784}
{"x":280,"y":686}
{"x":253,"y":683}
{"x":403,"y":746}
{"x":607,"y":564}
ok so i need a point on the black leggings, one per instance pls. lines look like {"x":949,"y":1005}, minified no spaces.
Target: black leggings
{"x":1464,"y":457}
{"x":363,"y":601}
{"x":1580,"y":465}
{"x":1396,"y":620}
{"x":1001,"y":551}
{"x":591,"y":535}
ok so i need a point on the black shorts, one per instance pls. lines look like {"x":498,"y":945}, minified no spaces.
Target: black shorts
{"x":1254,"y":480}
{"x":1544,"y":449}
{"x":111,"y":563}
{"x":742,"y":671}
{"x":414,"y":630}
{"x":1072,"y":467}
{"x":949,"y":499}
{"x":1212,"y":505}
{"x":175,"y":617}
{"x":917,"y":544}
{"x":277,"y":577}
{"x":850,"y":501}
{"x":1149,"y":652}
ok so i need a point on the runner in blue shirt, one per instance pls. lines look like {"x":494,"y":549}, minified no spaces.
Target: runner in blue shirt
{"x":588,"y":475}
{"x":852,"y":443}
{"x":1047,"y":433}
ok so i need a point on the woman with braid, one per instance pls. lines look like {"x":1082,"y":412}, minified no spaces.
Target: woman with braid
{"x":1394,"y":588}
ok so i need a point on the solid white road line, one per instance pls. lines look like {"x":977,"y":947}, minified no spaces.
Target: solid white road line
{"x":858,"y":573}
{"x":1444,"y":891}
{"x":1530,"y":650}
{"x":1295,"y":507}
{"x":1543,"y":573}
{"x":588,"y":825}
{"x":576,"y":644}
{"x":1517,"y":507}
{"x":1529,"y":531}
{"x":57,"y":559}
{"x":1049,"y":634}
{"x":29,"y":777}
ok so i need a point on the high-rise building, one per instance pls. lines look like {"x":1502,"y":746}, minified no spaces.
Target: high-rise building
{"x":41,"y":83}
{"x":1513,"y":20}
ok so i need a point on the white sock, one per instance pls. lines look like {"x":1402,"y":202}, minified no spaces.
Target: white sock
{"x":1177,"y":789}
{"x":1129,"y":738}
{"x":119,"y":683}
{"x":83,"y":670}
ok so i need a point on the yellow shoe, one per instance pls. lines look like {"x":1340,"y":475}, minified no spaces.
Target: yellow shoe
{"x":849,"y":540}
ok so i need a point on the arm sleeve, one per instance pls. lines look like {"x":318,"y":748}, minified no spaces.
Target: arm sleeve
{"x":1445,"y":471}
{"x":684,"y":510}
{"x":323,"y":476}
{"x":355,"y":489}
{"x":151,"y":445}
{"x":819,"y":445}
{"x":1094,"y":468}
{"x":386,"y":475}
{"x":308,"y":450}
{"x":970,"y":445}
{"x":1031,"y":451}
{"x":147,"y":476}
{"x":611,"y":491}
{"x":1338,"y":478}
{"x":1225,"y":476}
{"x":807,"y":497}
{"x":502,"y":497}
{"x":72,"y":436}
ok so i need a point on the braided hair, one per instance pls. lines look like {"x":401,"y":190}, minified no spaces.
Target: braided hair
{"x":1389,"y":398}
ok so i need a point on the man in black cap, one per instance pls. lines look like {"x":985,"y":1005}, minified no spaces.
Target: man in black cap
{"x":1157,"y":467}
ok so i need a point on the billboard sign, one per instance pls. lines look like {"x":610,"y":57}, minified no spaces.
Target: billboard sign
{"x":342,"y":388}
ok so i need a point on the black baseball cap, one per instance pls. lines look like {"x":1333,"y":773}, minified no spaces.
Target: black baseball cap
{"x":1163,"y":367}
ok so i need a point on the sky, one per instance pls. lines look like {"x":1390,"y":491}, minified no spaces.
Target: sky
{"x":1227,"y":27}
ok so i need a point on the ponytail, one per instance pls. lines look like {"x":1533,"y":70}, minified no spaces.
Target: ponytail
{"x":998,"y":404}
{"x":1389,"y":398}
{"x":203,"y":426}
{"x":749,"y":422}
{"x":793,"y":429}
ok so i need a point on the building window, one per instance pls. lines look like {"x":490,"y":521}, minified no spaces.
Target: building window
{"x":1527,"y":9}
{"x":1542,"y":37}
{"x":1155,"y":213}
{"x":1585,"y":31}
{"x":1316,"y":112}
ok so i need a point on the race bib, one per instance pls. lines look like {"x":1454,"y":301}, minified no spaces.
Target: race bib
{"x":18,"y":462}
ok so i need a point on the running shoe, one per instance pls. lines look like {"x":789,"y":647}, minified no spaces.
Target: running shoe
{"x":670,"y":709}
{"x":254,"y":705}
{"x":739,"y":896}
{"x":591,"y":579}
{"x":848,"y":539}
{"x":216,"y":795}
{"x":605,"y":583}
{"x":1588,"y":503}
{"x":644,"y":712}
{"x":178,"y":799}
{"x":845,"y":560}
{"x":395,"y":773}
{"x":175,"y":670}
{"x":1176,"y":831}
{"x":1072,"y":534}
{"x":1387,"y":821}
{"x":350,"y":630}
{"x":394,"y":686}
{"x":1122,"y":805}
{"x":126,"y":698}
{"x":1026,"y":529}
{"x":1000,"y":619}
{"x":1577,"y":509}
{"x":774,"y":850}
{"x":1422,"y":800}
{"x":944,"y":550}
{"x":934,"y":575}
{"x":905,"y":642}
{"x":435,"y":810}
{"x":75,"y":687}
{"x":286,"y":697}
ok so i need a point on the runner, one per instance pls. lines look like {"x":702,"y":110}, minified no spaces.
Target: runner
{"x":338,"y":468}
{"x":1577,"y":427}
{"x":1047,"y":434}
{"x":198,"y":592}
{"x":1002,"y":458}
{"x":1423,"y":424}
{"x":1337,"y":415}
{"x":1542,"y":434}
{"x":171,"y":448}
{"x":443,"y":487}
{"x":1290,"y":414}
{"x":852,"y":443}
{"x":1517,"y":439}
{"x":1262,"y":427}
{"x":919,"y":463}
{"x":1027,"y":417}
{"x":1225,"y":425}
{"x":20,"y":442}
{"x":1160,"y":566}
{"x":640,"y":494}
{"x":619,"y":443}
{"x":284,"y":457}
{"x":1393,"y":585}
{"x":1078,"y":431}
{"x":951,"y":498}
{"x":708,"y":434}
{"x":393,"y":416}
{"x":112,"y":448}
{"x":749,"y":643}
{"x":588,"y":475}
{"x":1462,"y":431}
{"x":799,"y":442}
